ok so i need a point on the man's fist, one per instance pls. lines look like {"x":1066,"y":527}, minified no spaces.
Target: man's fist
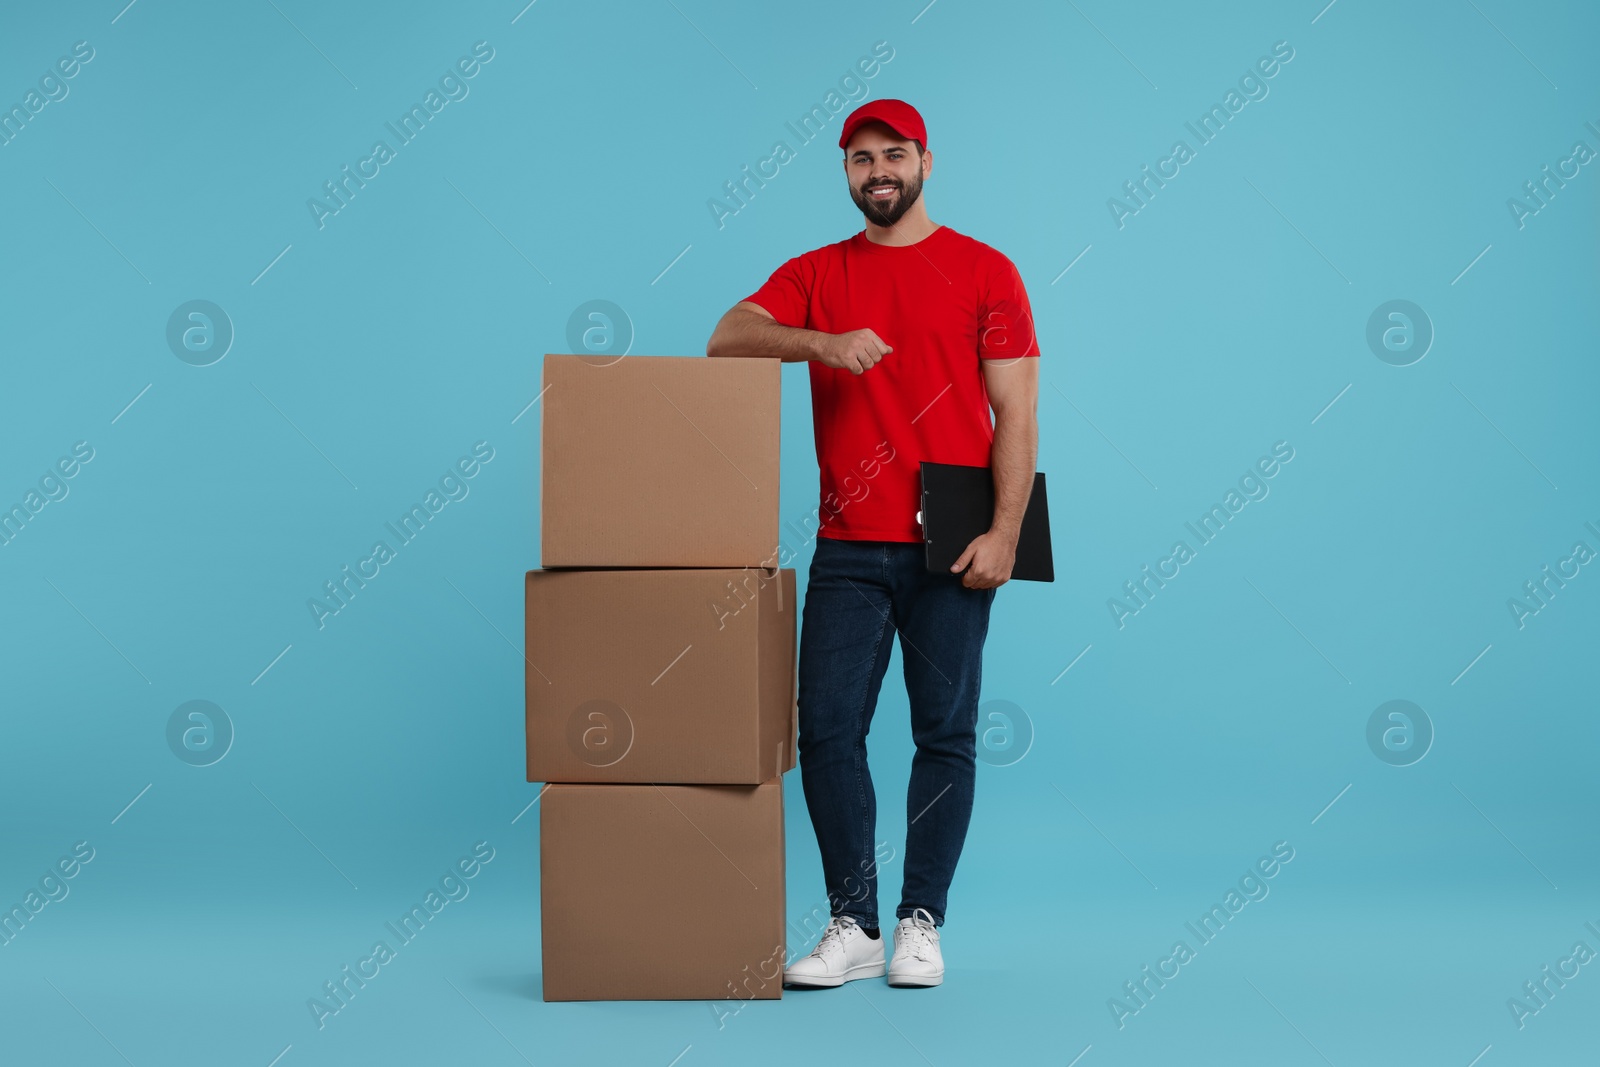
{"x":988,"y":560}
{"x":857,"y":351}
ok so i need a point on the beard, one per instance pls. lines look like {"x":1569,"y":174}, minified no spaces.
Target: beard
{"x":887,"y":214}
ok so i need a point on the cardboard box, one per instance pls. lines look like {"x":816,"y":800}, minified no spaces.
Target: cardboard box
{"x":660,"y":675}
{"x":669,"y":892}
{"x":659,"y":461}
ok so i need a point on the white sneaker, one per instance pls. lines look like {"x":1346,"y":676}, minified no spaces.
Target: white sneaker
{"x":917,"y":959}
{"x":844,"y":954}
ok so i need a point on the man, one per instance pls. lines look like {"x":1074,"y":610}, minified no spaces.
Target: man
{"x":913,"y":333}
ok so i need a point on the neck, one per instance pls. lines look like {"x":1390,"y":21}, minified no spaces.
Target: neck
{"x":913,"y":226}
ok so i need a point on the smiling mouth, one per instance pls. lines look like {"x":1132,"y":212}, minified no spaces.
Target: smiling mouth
{"x":881,"y":192}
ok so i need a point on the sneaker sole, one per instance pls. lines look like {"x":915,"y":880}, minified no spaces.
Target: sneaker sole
{"x":860,"y":970}
{"x":909,"y":981}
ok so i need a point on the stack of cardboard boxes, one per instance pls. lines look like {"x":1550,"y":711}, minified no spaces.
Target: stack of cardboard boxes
{"x":660,"y":679}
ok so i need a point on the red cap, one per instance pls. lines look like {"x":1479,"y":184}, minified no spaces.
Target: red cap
{"x":900,"y":117}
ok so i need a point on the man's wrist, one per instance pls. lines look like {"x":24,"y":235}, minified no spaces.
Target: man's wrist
{"x":1006,"y":528}
{"x":814,"y":341}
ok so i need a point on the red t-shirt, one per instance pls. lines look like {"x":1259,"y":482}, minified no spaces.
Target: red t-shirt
{"x":942,"y":304}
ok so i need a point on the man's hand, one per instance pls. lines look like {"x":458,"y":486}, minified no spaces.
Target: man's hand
{"x":991,"y":555}
{"x":857,"y":351}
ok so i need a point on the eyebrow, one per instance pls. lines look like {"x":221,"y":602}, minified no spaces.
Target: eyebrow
{"x":891,"y":148}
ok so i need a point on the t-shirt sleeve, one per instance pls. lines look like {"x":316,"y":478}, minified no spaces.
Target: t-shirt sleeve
{"x":1005,"y":318}
{"x":787,"y":293}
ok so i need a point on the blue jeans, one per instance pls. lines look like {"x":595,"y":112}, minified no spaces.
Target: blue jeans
{"x":859,"y":595}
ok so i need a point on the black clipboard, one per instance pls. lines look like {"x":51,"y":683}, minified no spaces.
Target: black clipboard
{"x":958,"y":505}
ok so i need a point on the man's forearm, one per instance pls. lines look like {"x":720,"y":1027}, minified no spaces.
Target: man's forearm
{"x":1012,"y":458}
{"x":745,"y":333}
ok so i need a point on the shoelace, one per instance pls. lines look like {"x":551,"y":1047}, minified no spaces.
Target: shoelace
{"x":834,"y":934}
{"x":919,"y":938}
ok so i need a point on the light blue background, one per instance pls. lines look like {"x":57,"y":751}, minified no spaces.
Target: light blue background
{"x":1223,"y":317}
